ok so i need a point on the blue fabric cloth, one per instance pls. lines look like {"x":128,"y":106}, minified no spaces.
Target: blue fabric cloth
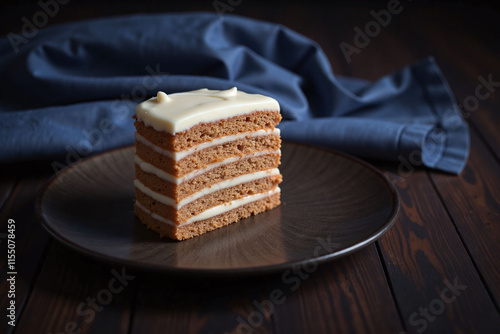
{"x":70,"y":90}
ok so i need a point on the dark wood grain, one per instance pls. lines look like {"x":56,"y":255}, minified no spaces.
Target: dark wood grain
{"x":466,"y":51}
{"x":30,"y":238}
{"x":464,"y":48}
{"x":473,"y":202}
{"x":338,"y":299}
{"x":486,"y":123}
{"x":62,"y":296}
{"x":422,"y":253}
{"x":199,"y":305}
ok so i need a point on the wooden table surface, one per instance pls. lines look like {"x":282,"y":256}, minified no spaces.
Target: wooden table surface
{"x":437,"y":270}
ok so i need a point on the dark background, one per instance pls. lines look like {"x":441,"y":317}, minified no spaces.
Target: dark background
{"x":418,"y":20}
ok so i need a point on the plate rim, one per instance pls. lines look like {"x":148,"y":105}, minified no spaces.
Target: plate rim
{"x":259,"y":270}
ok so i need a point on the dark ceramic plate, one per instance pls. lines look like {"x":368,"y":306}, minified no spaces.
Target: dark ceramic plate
{"x":332,"y":205}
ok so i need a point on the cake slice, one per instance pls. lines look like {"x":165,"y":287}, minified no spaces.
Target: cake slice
{"x":205,"y":159}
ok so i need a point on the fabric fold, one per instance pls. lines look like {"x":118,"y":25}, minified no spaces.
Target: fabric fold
{"x":73,"y":87}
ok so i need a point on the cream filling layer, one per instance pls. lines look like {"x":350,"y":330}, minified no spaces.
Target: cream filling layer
{"x":214,"y":211}
{"x":148,"y":168}
{"x":207,"y":190}
{"x":177,"y":156}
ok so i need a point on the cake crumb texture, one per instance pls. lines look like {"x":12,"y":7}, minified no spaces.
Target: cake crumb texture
{"x":205,"y":159}
{"x":207,"y":225}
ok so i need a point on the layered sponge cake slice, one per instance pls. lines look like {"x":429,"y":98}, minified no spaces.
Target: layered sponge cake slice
{"x":205,"y":159}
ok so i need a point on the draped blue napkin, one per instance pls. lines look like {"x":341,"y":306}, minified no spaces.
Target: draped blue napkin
{"x":70,"y":90}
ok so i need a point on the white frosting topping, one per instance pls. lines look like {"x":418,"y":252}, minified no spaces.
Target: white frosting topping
{"x":177,"y":156}
{"x":214,"y":211}
{"x":148,"y":168}
{"x":207,"y":190}
{"x":177,"y":112}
